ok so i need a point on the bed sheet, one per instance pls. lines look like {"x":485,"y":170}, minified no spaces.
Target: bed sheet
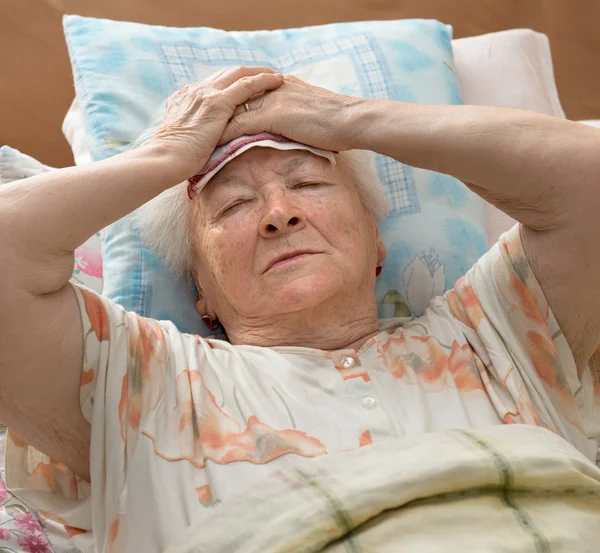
{"x":23,"y":530}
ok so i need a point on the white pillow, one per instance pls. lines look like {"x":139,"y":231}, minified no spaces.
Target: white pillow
{"x":74,"y":130}
{"x":591,"y":122}
{"x":506,"y":69}
{"x":510,"y":69}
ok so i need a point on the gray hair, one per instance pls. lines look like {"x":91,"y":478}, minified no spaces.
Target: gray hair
{"x":164,"y":222}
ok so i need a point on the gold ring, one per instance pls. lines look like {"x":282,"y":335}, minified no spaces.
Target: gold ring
{"x":246,"y":107}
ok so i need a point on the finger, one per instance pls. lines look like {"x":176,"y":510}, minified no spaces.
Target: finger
{"x":245,"y":123}
{"x":253,"y":104}
{"x":244,"y":89}
{"x":233,"y":74}
{"x":216,"y":75}
{"x":214,"y":78}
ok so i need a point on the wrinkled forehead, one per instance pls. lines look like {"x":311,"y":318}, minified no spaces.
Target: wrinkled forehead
{"x":257,"y":164}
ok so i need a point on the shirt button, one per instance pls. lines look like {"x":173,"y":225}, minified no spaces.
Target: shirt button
{"x":347,"y":362}
{"x":369,"y":402}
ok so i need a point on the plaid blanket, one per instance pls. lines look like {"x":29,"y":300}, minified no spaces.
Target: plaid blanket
{"x":513,"y":488}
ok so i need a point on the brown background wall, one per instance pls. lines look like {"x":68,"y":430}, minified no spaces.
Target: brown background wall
{"x":36,"y":84}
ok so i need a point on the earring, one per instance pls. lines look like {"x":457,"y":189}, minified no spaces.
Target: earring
{"x":210,"y":323}
{"x":378,"y":270}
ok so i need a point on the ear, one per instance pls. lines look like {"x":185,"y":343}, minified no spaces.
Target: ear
{"x":202,"y":305}
{"x":381,"y":250}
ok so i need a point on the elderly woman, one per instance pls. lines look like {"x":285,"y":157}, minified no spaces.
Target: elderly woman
{"x":284,"y":249}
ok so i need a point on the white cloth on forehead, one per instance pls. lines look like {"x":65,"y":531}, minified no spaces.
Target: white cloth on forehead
{"x":224,"y":154}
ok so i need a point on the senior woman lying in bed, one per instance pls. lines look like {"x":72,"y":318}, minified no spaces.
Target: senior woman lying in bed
{"x":284,"y":249}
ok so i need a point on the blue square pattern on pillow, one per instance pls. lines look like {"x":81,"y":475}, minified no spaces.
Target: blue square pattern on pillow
{"x":435,"y":229}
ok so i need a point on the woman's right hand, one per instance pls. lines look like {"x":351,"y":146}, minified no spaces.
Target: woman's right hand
{"x":196,"y":115}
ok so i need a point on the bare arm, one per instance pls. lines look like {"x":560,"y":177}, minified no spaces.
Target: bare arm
{"x":44,"y":218}
{"x":525,"y":163}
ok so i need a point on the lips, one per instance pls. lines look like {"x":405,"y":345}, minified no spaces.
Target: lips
{"x":288,"y":256}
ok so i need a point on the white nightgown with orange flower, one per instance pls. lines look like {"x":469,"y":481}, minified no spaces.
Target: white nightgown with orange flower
{"x":180,"y":423}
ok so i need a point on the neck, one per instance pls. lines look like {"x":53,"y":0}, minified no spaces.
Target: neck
{"x":332,"y":326}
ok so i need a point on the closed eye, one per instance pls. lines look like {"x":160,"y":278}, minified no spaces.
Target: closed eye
{"x":308,"y":184}
{"x":233,"y":206}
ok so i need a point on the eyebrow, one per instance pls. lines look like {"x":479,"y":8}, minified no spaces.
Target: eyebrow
{"x":230,"y":180}
{"x":218,"y":183}
{"x":296,"y":163}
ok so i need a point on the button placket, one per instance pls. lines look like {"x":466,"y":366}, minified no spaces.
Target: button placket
{"x":362,"y":395}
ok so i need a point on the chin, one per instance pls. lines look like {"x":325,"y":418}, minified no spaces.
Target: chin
{"x":304,"y":292}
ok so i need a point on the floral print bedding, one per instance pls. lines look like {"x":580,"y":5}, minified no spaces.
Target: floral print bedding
{"x":23,"y":530}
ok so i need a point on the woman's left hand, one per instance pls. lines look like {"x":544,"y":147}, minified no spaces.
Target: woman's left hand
{"x":301,"y":112}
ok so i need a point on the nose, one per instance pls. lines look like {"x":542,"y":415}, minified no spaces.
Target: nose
{"x":282,"y":217}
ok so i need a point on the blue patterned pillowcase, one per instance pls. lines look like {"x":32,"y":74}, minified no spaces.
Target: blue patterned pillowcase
{"x":435,"y":230}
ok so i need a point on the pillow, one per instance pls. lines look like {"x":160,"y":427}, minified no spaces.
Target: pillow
{"x":509,"y":68}
{"x":436,"y":228}
{"x":74,"y":130}
{"x":88,"y":257}
{"x":591,"y":122}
